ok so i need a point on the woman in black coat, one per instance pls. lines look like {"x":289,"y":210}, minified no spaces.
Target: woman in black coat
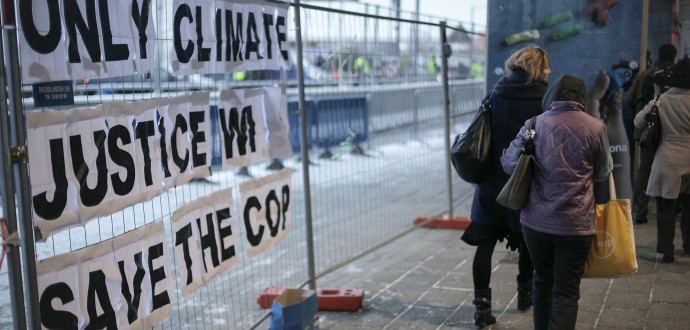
{"x":517,"y":98}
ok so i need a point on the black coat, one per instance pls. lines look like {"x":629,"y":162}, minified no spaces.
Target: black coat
{"x":514,"y":102}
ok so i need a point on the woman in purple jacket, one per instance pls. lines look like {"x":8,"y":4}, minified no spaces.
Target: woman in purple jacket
{"x":558,"y":218}
{"x":517,"y":97}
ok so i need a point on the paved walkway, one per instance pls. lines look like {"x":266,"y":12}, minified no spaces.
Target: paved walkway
{"x":423,"y":281}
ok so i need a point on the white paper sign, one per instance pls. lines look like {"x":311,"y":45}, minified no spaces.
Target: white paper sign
{"x":211,"y":36}
{"x":266,"y":211}
{"x":91,"y":162}
{"x":122,"y":283}
{"x":205,"y":239}
{"x":84,"y":39}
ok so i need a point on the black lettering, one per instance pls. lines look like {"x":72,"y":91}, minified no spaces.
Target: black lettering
{"x":144,"y":130}
{"x":141,"y":20}
{"x":97,"y":289}
{"x":52,"y":319}
{"x":196,"y":117}
{"x":254,"y":240}
{"x":182,"y":237}
{"x":208,"y":241}
{"x":233,"y":127}
{"x":235,"y":34}
{"x":89,"y":33}
{"x":252,"y":44}
{"x":204,"y":54}
{"x":132,"y":300}
{"x":52,"y":210}
{"x":90,"y":197}
{"x":41,"y":44}
{"x":281,"y":36}
{"x":183,"y":54}
{"x":286,"y":202}
{"x":268,"y":22}
{"x":113,"y":52}
{"x":157,"y":275}
{"x":164,"y":148}
{"x":229,"y":252}
{"x":181,"y":124}
{"x":121,"y":158}
{"x":272,"y":197}
{"x":248,"y":126}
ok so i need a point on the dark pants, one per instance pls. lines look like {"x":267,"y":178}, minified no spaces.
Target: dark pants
{"x":559,"y":262}
{"x":640,"y":198}
{"x":481,"y":265}
{"x":666,"y":223}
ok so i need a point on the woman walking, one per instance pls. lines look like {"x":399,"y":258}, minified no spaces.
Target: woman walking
{"x":517,"y":97}
{"x":558,"y":218}
{"x":669,"y":180}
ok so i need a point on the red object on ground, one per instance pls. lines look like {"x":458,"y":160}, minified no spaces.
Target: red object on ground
{"x":444,"y":222}
{"x":328,"y":299}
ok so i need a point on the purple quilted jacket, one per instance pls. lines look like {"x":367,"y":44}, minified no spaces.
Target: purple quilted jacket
{"x":572,"y":147}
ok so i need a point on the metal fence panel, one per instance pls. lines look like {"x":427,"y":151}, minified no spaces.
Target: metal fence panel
{"x":376,"y":140}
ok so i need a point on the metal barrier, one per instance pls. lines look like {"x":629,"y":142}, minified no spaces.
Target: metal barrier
{"x":342,"y":206}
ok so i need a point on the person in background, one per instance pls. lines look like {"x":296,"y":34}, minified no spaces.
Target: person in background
{"x":517,"y":97}
{"x":558,"y":218}
{"x":645,"y":87}
{"x":669,"y":179}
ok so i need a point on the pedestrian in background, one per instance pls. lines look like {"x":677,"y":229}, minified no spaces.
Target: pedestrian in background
{"x":517,"y":97}
{"x":558,"y":218}
{"x":646,"y":85}
{"x":669,"y":179}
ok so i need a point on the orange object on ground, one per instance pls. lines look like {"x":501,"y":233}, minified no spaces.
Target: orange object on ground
{"x":328,"y":299}
{"x":444,"y":222}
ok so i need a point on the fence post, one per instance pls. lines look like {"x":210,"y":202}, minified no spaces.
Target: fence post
{"x":305,"y":150}
{"x":21,"y":171}
{"x":14,"y":270}
{"x":445,"y":53}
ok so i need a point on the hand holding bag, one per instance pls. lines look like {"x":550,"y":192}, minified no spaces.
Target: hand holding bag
{"x":471,"y":151}
{"x":514,"y":193}
{"x":651,"y":135}
{"x":613,"y":246}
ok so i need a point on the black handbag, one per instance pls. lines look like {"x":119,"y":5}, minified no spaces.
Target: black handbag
{"x":651,"y":135}
{"x":514,"y":193}
{"x":471,"y":151}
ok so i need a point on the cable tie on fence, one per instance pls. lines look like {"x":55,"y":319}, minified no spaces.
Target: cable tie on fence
{"x":7,"y":239}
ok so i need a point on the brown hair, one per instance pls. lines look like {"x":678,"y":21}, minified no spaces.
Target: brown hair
{"x":532,"y":59}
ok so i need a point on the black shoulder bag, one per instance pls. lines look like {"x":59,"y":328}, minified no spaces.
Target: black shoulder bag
{"x":514,"y":193}
{"x":651,"y":135}
{"x":471,"y":151}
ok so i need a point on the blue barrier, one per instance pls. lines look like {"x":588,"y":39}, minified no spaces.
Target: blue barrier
{"x":216,"y":139}
{"x":336,"y":118}
{"x":329,"y":122}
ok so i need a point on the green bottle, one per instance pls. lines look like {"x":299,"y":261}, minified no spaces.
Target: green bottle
{"x":522,"y":36}
{"x":567,"y":31}
{"x":558,"y":18}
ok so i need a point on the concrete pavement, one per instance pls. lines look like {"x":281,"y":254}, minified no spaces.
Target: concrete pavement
{"x":423,"y":280}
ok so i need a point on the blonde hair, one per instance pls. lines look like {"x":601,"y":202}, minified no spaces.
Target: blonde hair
{"x":532,"y":60}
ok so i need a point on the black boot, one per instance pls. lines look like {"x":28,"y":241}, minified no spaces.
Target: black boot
{"x":524,"y":290}
{"x":482,"y":301}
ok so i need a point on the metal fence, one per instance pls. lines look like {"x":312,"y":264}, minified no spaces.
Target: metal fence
{"x":372,"y":112}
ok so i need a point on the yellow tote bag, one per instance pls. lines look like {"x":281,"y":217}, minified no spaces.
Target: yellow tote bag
{"x":613,"y":247}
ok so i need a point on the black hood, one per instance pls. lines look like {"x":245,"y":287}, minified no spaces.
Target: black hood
{"x":514,"y":86}
{"x":565,"y":88}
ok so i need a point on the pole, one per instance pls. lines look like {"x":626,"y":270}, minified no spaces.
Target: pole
{"x":21,"y":171}
{"x":445,"y":53}
{"x":416,"y":44}
{"x":14,"y":269}
{"x":305,"y":151}
{"x":645,"y":29}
